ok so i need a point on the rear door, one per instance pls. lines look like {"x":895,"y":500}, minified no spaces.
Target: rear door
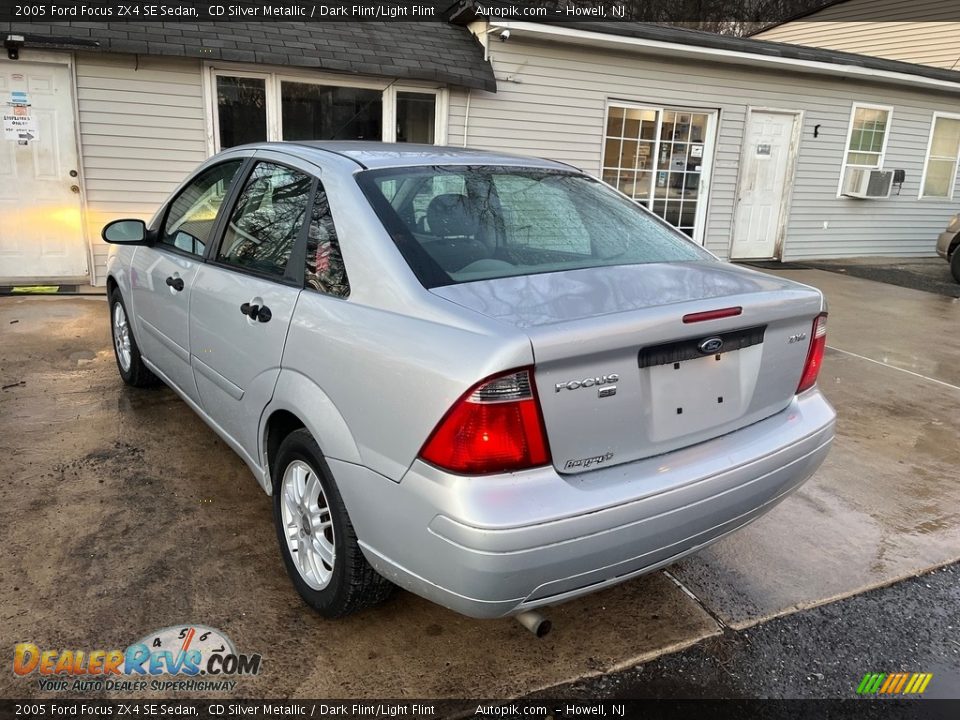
{"x":162,"y":276}
{"x":245,"y":295}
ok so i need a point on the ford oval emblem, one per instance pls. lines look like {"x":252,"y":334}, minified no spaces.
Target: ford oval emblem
{"x":710,"y":346}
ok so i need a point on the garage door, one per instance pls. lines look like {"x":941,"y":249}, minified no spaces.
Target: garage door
{"x":41,"y":237}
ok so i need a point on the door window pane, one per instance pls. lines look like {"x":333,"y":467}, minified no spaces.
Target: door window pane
{"x":651,"y":154}
{"x":267,"y":220}
{"x":241,"y":110}
{"x":322,"y":112}
{"x":416,"y":117}
{"x":325,"y":271}
{"x":942,"y":161}
{"x":190,"y":219}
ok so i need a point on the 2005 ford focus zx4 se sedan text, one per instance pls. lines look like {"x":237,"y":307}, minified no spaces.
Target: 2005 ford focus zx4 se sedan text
{"x":491,"y":380}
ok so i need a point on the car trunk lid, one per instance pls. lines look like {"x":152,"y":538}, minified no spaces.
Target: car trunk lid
{"x":621,"y":376}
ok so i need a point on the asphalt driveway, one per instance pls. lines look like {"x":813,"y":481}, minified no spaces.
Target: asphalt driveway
{"x":122,"y":513}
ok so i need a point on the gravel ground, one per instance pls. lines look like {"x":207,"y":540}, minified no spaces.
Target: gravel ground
{"x":911,"y":626}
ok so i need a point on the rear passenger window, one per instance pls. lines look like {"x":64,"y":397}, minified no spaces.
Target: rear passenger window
{"x":192,"y":214}
{"x":267,"y":220}
{"x":324,"y":271}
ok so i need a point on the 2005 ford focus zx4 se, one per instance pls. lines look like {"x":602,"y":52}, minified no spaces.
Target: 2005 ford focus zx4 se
{"x":491,"y":380}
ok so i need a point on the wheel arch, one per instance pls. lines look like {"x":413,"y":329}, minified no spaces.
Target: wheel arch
{"x":954,"y":246}
{"x":298,"y":402}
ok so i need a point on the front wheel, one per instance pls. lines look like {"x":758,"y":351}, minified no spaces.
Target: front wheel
{"x":955,"y":264}
{"x":132,"y":369}
{"x":317,"y":539}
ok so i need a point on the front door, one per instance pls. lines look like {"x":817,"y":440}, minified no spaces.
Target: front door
{"x":244,"y":298}
{"x":41,"y":234}
{"x":162,"y":276}
{"x":765,"y":179}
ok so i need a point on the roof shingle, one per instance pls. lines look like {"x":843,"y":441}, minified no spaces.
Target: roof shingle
{"x":435,"y":51}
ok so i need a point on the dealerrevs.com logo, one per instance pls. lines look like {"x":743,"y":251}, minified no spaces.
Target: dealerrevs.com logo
{"x":184,"y":657}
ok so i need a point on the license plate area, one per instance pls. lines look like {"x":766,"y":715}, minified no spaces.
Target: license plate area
{"x":690,"y":393}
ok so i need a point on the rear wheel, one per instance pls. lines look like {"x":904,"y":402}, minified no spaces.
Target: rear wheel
{"x":955,"y":264}
{"x":317,"y":540}
{"x":125,"y":349}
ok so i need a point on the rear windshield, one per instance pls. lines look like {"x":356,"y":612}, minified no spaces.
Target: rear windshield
{"x":457,"y":224}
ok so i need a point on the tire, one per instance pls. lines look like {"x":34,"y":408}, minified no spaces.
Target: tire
{"x":330,"y":572}
{"x":955,"y":264}
{"x":125,"y":349}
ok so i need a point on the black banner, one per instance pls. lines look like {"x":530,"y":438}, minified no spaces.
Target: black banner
{"x":697,"y":12}
{"x":528,"y":709}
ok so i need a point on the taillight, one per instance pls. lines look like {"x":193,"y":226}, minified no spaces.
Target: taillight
{"x":496,"y":426}
{"x":818,"y":344}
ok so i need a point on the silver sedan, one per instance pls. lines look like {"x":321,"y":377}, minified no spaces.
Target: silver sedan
{"x":491,"y":380}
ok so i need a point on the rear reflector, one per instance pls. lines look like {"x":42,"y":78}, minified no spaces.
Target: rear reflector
{"x":496,"y":426}
{"x":712,"y":314}
{"x":818,"y":344}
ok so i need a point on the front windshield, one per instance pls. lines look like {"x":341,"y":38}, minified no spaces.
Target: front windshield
{"x":457,"y":224}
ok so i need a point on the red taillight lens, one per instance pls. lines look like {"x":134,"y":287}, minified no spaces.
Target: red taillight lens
{"x":818,"y":344}
{"x":496,"y":426}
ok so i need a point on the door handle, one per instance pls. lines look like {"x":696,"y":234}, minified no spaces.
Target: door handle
{"x":175,"y":283}
{"x":256,"y":312}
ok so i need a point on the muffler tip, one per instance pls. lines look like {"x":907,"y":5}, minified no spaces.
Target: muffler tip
{"x":535,"y":623}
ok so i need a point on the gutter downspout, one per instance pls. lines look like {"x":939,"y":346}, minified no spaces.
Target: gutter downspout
{"x":466,"y":117}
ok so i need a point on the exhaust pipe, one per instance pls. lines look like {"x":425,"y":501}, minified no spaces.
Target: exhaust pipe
{"x":534,"y":622}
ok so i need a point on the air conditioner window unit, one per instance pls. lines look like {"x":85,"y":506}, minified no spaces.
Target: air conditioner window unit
{"x":865,"y":183}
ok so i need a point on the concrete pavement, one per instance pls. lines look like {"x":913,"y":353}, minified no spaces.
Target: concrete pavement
{"x":885,"y":504}
{"x":123,"y":513}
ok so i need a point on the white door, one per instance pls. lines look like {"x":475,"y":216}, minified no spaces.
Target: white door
{"x":41,"y":235}
{"x":765,"y":179}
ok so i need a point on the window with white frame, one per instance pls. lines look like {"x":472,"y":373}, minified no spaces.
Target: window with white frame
{"x":943,"y":152}
{"x":866,"y":141}
{"x":254,"y":107}
{"x":868,"y":136}
{"x":659,"y":157}
{"x":241,"y":110}
{"x":416,"y":116}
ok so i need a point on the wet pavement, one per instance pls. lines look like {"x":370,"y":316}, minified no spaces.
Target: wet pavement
{"x":122,"y":513}
{"x":929,"y":274}
{"x":886,"y":503}
{"x":911,"y":626}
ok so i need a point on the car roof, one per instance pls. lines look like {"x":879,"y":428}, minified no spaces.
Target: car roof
{"x":368,"y":154}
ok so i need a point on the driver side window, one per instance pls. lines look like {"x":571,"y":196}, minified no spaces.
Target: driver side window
{"x":192,"y":214}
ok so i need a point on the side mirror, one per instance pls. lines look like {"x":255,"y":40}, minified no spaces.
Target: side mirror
{"x":125,"y":232}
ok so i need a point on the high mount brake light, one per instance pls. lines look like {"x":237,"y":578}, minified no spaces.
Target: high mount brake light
{"x":712,"y":315}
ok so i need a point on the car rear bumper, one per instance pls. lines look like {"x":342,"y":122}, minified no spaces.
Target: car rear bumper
{"x":493,"y":546}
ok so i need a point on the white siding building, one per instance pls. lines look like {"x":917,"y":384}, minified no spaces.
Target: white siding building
{"x":756,"y":150}
{"x":118,"y":114}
